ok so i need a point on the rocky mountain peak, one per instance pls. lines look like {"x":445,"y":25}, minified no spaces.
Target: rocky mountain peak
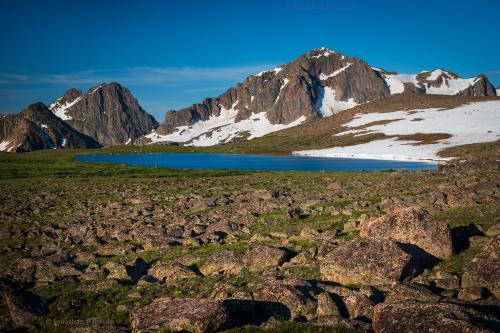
{"x":37,"y":127}
{"x":108,"y":112}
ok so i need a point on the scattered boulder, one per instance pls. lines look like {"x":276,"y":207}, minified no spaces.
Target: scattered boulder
{"x":170,"y":272}
{"x":24,"y":306}
{"x":262,"y":257}
{"x":170,"y":314}
{"x":327,"y":306}
{"x":366,"y":262}
{"x":298,"y":303}
{"x":131,"y":271}
{"x":482,"y":273}
{"x":223,"y":262}
{"x":414,"y":226}
{"x":414,"y":316}
{"x":410,"y":291}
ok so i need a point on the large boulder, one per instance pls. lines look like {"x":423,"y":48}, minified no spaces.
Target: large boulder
{"x":366,"y":262}
{"x":413,"y":226}
{"x":223,"y":262}
{"x":262,"y":257}
{"x":24,"y":306}
{"x":482,"y":271}
{"x":414,"y":316}
{"x":170,"y":314}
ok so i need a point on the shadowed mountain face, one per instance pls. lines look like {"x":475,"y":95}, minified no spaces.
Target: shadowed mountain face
{"x":109,"y":113}
{"x":35,"y":128}
{"x":317,"y":84}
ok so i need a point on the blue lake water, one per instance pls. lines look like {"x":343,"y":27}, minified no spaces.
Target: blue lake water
{"x":253,"y":162}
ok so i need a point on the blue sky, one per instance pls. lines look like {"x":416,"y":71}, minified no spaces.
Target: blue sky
{"x":174,"y":53}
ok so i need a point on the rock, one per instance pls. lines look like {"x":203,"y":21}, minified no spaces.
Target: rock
{"x":413,"y":316}
{"x":365,"y":261}
{"x":192,"y":315}
{"x":327,"y":306}
{"x":262,"y":257}
{"x":410,"y":291}
{"x":67,"y":271}
{"x":223,"y":262}
{"x":116,"y":271}
{"x":45,"y":272}
{"x":494,"y":230}
{"x":114,"y":249}
{"x":414,"y":226}
{"x":24,"y":306}
{"x":471,"y":294}
{"x":278,"y":293}
{"x":170,"y":272}
{"x":131,"y":271}
{"x":353,"y":304}
{"x":482,"y":273}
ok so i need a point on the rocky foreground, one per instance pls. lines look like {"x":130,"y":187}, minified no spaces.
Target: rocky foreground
{"x":117,"y":249}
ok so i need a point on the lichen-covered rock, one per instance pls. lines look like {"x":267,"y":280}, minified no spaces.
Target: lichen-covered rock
{"x":298,"y":303}
{"x":187,"y":314}
{"x":482,"y":273}
{"x":169,"y":272}
{"x":131,"y":271}
{"x":412,"y":225}
{"x":24,"y":306}
{"x":262,"y":257}
{"x":366,"y":262}
{"x":409,"y":291}
{"x":223,"y":262}
{"x":327,"y":306}
{"x":413,"y":316}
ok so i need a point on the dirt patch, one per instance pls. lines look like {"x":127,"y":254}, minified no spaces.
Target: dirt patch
{"x":425,"y":138}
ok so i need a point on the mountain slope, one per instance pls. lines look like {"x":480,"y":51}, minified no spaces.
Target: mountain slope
{"x":109,"y":113}
{"x":35,"y":128}
{"x":317,"y":84}
{"x":416,"y":134}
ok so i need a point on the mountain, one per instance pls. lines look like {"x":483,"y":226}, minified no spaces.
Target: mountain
{"x":317,"y":84}
{"x":109,"y":113}
{"x":36,"y":127}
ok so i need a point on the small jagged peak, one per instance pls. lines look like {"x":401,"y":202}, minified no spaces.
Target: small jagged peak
{"x":320,"y":52}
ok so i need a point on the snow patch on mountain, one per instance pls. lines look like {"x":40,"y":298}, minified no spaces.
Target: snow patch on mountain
{"x":223,"y":128}
{"x":449,"y":86}
{"x":323,"y":76}
{"x":4,"y":146}
{"x":60,"y":109}
{"x":396,"y":82}
{"x":285,"y":82}
{"x":327,"y":103}
{"x":470,"y":123}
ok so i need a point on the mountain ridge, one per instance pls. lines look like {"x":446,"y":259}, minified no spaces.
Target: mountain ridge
{"x":36,"y":127}
{"x":317,"y":84}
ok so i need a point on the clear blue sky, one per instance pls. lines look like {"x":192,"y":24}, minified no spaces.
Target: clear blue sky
{"x":174,"y":53}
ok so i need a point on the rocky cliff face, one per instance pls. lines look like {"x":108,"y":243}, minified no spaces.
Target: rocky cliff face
{"x":35,"y":128}
{"x":319,"y":83}
{"x":109,"y":113}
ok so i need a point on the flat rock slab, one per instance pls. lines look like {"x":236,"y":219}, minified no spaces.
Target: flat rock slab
{"x":365,"y":262}
{"x":187,"y":314}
